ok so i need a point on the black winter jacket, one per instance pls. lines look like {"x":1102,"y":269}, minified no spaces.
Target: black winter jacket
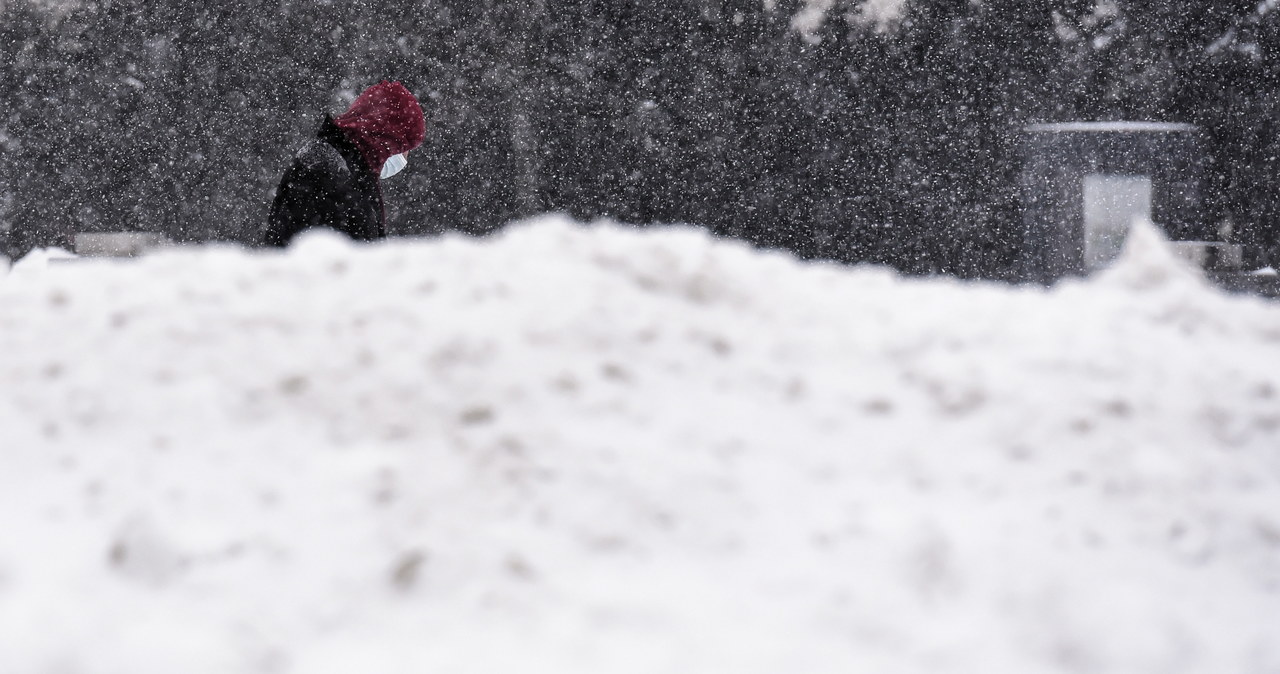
{"x":328,"y":185}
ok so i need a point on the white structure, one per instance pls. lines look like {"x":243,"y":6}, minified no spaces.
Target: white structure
{"x":117,"y":244}
{"x":1083,"y":183}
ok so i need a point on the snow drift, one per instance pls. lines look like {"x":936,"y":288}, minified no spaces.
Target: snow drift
{"x":597,"y":449}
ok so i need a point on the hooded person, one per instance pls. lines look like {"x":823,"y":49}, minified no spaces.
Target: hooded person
{"x":334,"y":181}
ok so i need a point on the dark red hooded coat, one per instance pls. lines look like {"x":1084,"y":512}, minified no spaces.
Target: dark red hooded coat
{"x":333,"y":182}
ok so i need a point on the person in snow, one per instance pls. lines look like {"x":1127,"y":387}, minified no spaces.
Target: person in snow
{"x":334,"y":181}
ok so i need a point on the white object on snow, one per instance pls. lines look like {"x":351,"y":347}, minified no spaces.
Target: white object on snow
{"x":118,"y":244}
{"x":38,"y":259}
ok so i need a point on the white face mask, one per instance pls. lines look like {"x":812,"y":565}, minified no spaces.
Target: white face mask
{"x":393,"y":165}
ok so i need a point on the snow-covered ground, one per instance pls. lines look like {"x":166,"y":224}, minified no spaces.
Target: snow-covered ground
{"x":599,"y":449}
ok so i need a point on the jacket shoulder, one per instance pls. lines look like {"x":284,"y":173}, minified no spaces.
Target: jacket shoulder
{"x":321,"y":158}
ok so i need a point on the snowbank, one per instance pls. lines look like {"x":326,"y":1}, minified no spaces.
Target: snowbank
{"x":598,"y":449}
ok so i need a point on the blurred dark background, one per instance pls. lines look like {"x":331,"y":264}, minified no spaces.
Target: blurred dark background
{"x":838,"y":134}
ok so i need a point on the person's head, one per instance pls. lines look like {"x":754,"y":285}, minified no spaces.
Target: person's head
{"x":383,"y":122}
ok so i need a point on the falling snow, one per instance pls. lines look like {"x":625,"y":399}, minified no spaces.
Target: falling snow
{"x":794,"y":417}
{"x":880,"y":131}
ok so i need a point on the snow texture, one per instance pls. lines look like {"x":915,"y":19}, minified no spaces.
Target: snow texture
{"x":574,"y":448}
{"x":812,"y":14}
{"x":1115,"y":127}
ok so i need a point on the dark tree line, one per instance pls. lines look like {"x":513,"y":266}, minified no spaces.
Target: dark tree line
{"x":850,"y":139}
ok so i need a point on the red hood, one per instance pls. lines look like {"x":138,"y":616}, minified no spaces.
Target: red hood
{"x":385,"y":120}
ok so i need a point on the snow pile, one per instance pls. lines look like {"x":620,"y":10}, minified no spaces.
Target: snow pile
{"x":37,"y":261}
{"x":597,"y":449}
